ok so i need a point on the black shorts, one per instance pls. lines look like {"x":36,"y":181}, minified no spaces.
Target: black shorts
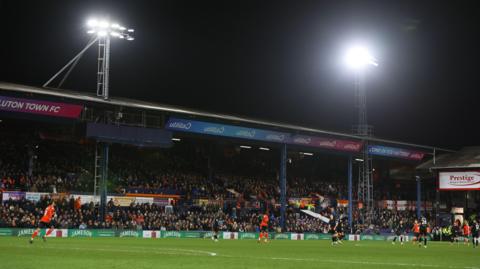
{"x":416,"y":235}
{"x":332,"y":231}
{"x":264,"y":228}
{"x":215,"y":229}
{"x":423,"y":232}
{"x":476,"y":235}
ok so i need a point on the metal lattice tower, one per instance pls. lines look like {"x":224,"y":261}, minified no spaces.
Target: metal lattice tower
{"x":365,"y":183}
{"x":103,"y":66}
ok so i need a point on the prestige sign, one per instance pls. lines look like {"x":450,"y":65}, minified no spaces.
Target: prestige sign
{"x":39,"y":107}
{"x":464,"y":180}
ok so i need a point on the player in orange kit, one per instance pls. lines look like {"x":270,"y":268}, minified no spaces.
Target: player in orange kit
{"x":416,"y":231}
{"x":264,"y":229}
{"x":45,"y":222}
{"x":466,"y":233}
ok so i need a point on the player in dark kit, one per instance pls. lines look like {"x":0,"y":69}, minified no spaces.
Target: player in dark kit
{"x":456,"y":231}
{"x":423,"y":233}
{"x":340,"y":232}
{"x":399,"y":233}
{"x":215,"y":229}
{"x":333,"y":230}
{"x":475,"y":229}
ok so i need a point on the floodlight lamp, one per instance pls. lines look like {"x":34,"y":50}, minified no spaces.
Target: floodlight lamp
{"x":91,"y":32}
{"x":104,"y":24}
{"x":358,"y":57}
{"x":130,"y":38}
{"x":102,"y":33}
{"x":92,"y":23}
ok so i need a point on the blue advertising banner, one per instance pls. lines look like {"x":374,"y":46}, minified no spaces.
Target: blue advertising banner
{"x":395,"y":152}
{"x":209,"y":128}
{"x":201,"y":127}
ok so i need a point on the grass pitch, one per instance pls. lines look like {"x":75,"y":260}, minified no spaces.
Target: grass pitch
{"x":134,"y":253}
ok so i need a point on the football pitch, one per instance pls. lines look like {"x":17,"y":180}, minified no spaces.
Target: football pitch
{"x":132,"y":253}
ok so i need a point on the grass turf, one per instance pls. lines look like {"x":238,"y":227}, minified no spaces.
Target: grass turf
{"x":133,"y":253}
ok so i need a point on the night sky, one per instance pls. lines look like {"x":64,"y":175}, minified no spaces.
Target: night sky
{"x":271,"y":60}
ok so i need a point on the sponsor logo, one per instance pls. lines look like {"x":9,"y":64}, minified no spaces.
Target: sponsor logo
{"x":248,"y":236}
{"x":24,"y":232}
{"x":416,"y":156}
{"x":214,"y":130}
{"x":464,"y":180}
{"x":352,"y":146}
{"x":328,"y":143}
{"x":191,"y":235}
{"x":180,"y":125}
{"x":312,"y":237}
{"x":246,"y":133}
{"x":129,"y":234}
{"x":281,"y":236}
{"x":207,"y":234}
{"x":302,"y":140}
{"x":105,"y":233}
{"x":81,"y":233}
{"x":171,"y":234}
{"x":275,"y":137}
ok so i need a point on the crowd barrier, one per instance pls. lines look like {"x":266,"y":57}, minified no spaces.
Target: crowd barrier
{"x":188,"y":234}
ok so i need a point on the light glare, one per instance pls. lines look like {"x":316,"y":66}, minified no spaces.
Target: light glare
{"x":104,"y":24}
{"x":359,"y":57}
{"x":92,"y":23}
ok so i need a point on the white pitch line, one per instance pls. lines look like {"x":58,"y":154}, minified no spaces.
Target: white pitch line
{"x":164,"y":251}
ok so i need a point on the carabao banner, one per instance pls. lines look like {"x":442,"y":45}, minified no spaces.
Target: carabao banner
{"x":326,"y":143}
{"x":459,"y":180}
{"x":39,"y":107}
{"x":202,"y":127}
{"x":209,"y":128}
{"x":395,"y":152}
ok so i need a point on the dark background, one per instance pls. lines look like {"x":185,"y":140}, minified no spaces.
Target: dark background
{"x":274,"y":60}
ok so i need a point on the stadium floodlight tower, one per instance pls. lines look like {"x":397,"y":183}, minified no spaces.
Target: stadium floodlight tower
{"x":105,"y":30}
{"x":358,"y":58}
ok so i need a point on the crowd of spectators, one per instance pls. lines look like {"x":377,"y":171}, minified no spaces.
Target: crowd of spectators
{"x":33,"y":165}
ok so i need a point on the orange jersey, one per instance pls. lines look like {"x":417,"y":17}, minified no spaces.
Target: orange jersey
{"x":264,"y":220}
{"x":48,"y":214}
{"x":466,"y":230}
{"x":416,"y":228}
